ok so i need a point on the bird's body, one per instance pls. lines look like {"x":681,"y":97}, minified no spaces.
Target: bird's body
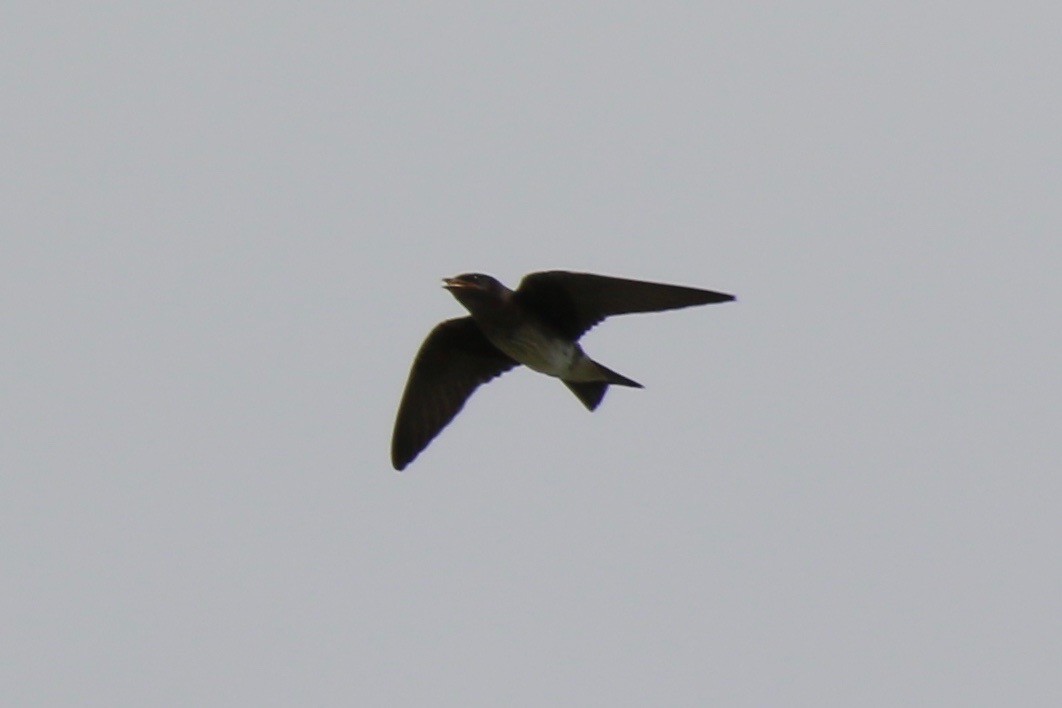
{"x":542,"y":350}
{"x":539,"y":347}
{"x":537,"y":325}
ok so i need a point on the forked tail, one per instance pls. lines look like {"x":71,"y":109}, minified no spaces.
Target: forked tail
{"x":591,"y":392}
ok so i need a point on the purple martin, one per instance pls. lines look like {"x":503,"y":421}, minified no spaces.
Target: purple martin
{"x":538,"y":325}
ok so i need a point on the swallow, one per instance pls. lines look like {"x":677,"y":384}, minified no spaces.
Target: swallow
{"x":537,"y":325}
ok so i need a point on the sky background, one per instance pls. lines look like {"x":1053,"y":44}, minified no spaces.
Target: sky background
{"x":223,"y":231}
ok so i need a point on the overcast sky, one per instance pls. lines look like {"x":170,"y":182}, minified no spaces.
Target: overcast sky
{"x":223,"y":231}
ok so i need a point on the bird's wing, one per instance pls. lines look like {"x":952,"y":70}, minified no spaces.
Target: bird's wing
{"x":574,"y":302}
{"x":452,"y":362}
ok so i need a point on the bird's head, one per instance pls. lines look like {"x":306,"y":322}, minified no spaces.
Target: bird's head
{"x":477,"y":292}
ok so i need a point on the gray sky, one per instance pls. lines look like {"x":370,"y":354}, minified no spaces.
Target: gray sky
{"x":224,"y":228}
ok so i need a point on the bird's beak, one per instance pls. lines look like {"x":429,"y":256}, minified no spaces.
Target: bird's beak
{"x":452,"y":284}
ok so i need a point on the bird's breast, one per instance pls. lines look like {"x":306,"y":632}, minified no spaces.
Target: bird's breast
{"x":538,"y":349}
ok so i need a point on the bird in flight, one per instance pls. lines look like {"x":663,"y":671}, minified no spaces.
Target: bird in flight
{"x":538,"y":325}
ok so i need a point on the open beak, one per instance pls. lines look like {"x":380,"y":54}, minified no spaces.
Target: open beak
{"x":452,"y":284}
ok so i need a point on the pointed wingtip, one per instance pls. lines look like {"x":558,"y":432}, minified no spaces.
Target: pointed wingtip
{"x":400,"y":461}
{"x":722,"y":297}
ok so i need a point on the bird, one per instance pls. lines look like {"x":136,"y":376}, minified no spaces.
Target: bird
{"x":538,"y":325}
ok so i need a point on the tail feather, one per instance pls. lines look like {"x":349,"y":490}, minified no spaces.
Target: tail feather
{"x":612,"y":377}
{"x":591,"y":392}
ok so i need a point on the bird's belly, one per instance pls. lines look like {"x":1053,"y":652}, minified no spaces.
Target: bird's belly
{"x":537,"y":350}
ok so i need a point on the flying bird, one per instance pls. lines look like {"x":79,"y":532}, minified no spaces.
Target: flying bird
{"x":538,"y":325}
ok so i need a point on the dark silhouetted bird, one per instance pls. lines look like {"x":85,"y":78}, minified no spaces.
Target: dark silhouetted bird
{"x":538,"y":324}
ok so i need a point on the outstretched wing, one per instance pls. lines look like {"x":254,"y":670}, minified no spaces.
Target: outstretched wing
{"x":452,"y":362}
{"x":574,"y":302}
